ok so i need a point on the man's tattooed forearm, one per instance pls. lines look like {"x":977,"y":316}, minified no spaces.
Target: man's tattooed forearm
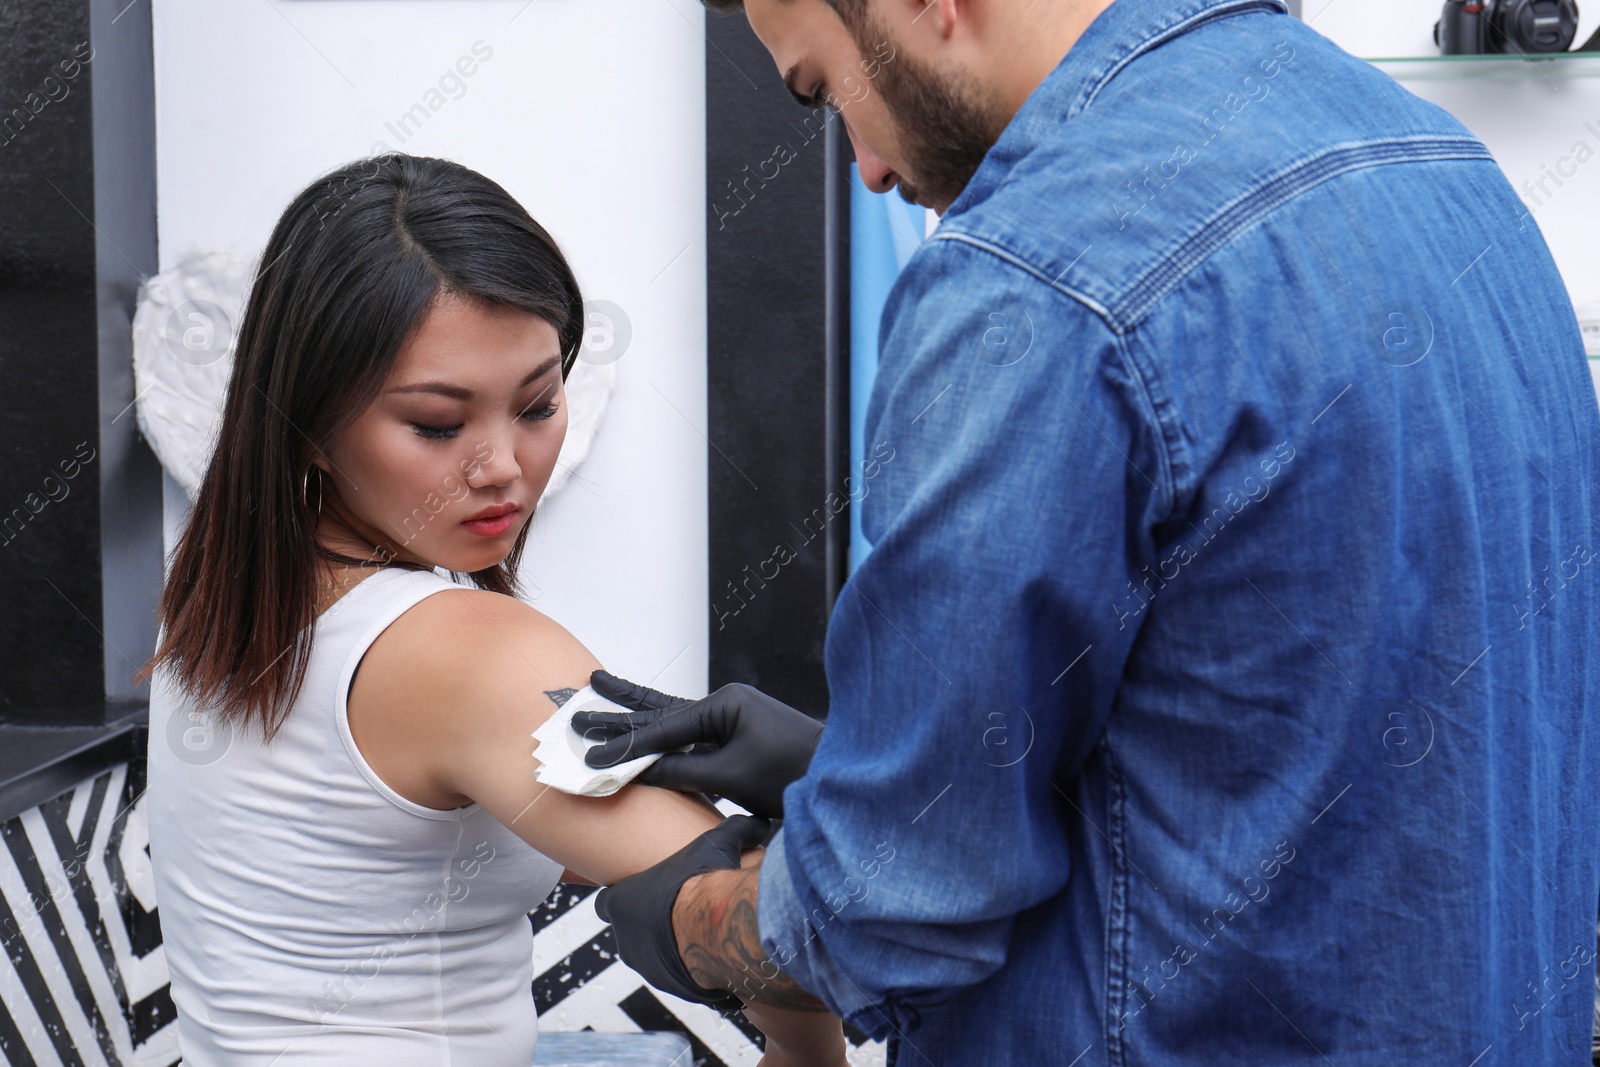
{"x":559,"y":696}
{"x":721,"y":947}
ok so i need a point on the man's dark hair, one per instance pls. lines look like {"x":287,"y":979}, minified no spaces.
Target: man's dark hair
{"x":851,"y":12}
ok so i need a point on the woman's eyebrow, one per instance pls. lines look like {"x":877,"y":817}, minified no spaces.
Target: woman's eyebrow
{"x":459,"y":393}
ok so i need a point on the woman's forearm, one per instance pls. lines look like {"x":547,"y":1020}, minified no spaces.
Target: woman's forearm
{"x":798,"y":1038}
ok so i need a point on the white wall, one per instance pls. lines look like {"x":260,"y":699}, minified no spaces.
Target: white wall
{"x":591,"y":112}
{"x":1377,"y":28}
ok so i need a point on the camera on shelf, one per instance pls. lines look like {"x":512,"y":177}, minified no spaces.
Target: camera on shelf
{"x":1514,"y":27}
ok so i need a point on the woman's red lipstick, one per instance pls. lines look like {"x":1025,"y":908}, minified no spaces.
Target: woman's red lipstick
{"x":492,"y":521}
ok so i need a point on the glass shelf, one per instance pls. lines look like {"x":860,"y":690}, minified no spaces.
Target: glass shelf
{"x":1546,"y":64}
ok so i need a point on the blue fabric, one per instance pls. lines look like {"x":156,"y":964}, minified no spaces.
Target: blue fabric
{"x":1219,"y":687}
{"x":885,"y":232}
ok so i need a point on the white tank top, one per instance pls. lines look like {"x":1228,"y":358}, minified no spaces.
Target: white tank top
{"x":311,"y":914}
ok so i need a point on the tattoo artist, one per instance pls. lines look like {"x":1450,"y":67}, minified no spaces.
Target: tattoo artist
{"x":1221,"y":685}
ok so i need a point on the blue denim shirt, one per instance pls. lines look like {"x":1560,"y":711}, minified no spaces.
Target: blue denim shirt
{"x":1219,"y":689}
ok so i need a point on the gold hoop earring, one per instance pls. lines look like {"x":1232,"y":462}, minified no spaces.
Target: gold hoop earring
{"x":304,"y":485}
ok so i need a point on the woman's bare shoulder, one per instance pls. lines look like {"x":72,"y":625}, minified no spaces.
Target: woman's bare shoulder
{"x":463,"y":681}
{"x":460,"y":670}
{"x":475,"y":638}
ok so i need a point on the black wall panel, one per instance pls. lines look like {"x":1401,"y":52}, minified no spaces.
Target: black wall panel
{"x":80,"y":492}
{"x":777,"y":377}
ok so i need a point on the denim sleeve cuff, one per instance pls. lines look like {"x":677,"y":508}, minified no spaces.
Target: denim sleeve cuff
{"x":793,"y":940}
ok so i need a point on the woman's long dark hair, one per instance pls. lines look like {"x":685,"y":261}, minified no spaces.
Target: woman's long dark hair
{"x":351,"y":270}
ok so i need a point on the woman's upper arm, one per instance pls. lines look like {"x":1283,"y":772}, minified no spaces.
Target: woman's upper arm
{"x":479,"y":687}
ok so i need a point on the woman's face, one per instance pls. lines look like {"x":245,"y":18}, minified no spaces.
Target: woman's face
{"x":471,"y":417}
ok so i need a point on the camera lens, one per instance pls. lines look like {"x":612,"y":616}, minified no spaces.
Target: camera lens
{"x":1534,"y":26}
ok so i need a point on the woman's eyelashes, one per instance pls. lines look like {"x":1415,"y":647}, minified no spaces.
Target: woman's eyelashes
{"x":443,"y":433}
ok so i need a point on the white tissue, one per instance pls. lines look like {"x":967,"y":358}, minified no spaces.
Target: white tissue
{"x":561,"y":748}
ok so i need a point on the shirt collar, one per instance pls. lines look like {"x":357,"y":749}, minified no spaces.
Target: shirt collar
{"x":1121,"y":33}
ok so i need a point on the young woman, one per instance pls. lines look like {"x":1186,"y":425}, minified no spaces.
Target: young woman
{"x":344,"y":823}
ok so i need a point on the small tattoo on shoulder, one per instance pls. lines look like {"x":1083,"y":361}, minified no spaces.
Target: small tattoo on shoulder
{"x":559,"y":696}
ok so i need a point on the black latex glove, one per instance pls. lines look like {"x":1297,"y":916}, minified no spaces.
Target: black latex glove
{"x":748,"y":746}
{"x":639,"y":908}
